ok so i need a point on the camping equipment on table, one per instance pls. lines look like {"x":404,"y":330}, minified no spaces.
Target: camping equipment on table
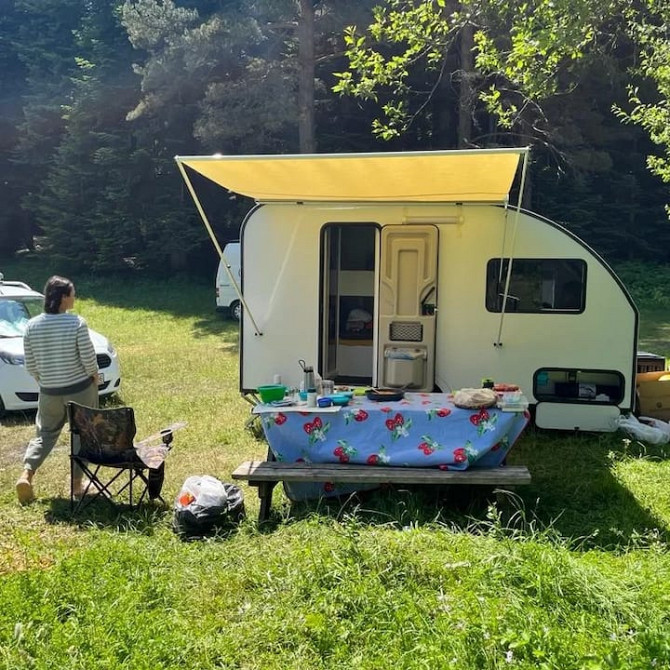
{"x":308,"y":381}
{"x":384,"y":395}
{"x":271,"y":392}
{"x":475,"y":398}
{"x":421,"y":430}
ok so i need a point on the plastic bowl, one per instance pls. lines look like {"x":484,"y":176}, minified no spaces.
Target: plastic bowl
{"x":271,"y":392}
{"x":511,"y":396}
{"x":340,"y":398}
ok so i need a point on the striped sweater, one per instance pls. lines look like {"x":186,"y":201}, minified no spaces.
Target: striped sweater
{"x":59,"y":353}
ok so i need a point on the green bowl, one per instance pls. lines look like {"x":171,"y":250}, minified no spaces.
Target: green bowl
{"x":271,"y":392}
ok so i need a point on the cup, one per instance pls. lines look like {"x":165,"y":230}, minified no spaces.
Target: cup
{"x":276,"y":379}
{"x":327,"y":386}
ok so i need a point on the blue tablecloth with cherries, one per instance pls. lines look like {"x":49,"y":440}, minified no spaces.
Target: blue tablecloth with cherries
{"x":421,"y":430}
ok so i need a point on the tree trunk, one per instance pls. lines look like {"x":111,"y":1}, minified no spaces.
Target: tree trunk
{"x":306,"y":131}
{"x":465,"y":100}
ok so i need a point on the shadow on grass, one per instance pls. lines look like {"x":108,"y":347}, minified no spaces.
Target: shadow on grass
{"x":100,"y":513}
{"x":20,"y":418}
{"x":574,"y":498}
{"x":575,"y":490}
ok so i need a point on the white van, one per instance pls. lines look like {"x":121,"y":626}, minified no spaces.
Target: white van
{"x":227,"y":299}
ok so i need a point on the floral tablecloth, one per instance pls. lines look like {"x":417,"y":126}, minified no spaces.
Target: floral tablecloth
{"x":422,"y":430}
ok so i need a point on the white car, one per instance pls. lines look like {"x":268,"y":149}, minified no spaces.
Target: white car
{"x":18,"y":390}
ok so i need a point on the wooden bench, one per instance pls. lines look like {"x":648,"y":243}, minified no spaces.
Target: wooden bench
{"x":267,"y":474}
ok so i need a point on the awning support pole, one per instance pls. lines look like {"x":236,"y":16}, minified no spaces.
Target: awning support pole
{"x":498,"y":342}
{"x":217,"y":246}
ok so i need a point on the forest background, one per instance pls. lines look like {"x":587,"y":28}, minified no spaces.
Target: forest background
{"x":98,"y":96}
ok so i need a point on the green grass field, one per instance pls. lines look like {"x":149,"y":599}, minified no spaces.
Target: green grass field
{"x":574,"y":573}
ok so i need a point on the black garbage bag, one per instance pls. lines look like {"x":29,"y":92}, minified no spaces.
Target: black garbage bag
{"x":206,"y":506}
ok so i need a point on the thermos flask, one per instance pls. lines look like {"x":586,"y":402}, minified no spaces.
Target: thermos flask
{"x":308,"y":375}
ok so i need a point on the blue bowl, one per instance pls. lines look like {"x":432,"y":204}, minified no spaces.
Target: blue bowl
{"x":340,"y":398}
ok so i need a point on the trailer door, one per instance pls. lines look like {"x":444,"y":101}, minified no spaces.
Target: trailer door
{"x":407,"y":305}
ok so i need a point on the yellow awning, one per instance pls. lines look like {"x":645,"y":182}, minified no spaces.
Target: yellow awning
{"x":477,"y":175}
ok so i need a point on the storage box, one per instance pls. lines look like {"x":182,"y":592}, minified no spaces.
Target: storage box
{"x":405,"y":367}
{"x":654,"y":394}
{"x":647,"y":362}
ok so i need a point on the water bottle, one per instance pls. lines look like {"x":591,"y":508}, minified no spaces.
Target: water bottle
{"x":308,"y":375}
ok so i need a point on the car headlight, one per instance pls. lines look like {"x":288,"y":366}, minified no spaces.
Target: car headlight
{"x":12,"y":359}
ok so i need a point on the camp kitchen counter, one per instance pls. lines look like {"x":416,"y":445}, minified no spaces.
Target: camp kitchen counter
{"x":422,"y":430}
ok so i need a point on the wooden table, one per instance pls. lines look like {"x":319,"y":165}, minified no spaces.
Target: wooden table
{"x":422,"y":439}
{"x":265,"y":475}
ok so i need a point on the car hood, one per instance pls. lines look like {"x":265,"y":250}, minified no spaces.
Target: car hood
{"x":14,"y":345}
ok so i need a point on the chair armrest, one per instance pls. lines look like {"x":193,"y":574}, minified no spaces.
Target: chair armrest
{"x":163,"y":434}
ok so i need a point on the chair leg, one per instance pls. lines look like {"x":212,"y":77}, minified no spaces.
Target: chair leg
{"x":71,"y":484}
{"x":104,"y":488}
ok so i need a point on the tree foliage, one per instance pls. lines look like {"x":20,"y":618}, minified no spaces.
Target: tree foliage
{"x":651,"y":29}
{"x":544,"y":73}
{"x":98,"y":96}
{"x":525,"y":53}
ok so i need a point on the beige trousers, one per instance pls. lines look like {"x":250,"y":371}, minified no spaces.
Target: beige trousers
{"x":49,"y":422}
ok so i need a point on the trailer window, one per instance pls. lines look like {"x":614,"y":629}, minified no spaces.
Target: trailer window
{"x":578,"y":386}
{"x":537,"y":285}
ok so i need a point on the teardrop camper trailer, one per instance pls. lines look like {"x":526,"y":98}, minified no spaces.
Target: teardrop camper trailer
{"x":412,"y":270}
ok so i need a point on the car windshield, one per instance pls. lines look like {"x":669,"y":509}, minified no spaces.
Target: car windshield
{"x":15,"y":312}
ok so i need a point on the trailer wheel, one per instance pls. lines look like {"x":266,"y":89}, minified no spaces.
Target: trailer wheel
{"x":236,"y":310}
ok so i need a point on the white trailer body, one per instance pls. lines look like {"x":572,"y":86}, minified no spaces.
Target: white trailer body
{"x":430,"y":294}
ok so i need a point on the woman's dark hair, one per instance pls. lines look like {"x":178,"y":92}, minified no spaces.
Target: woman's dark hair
{"x":55,"y":290}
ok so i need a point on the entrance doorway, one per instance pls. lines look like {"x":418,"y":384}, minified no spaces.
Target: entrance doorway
{"x":349,"y":280}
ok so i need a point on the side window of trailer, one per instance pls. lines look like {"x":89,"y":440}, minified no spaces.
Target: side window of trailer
{"x":537,"y":285}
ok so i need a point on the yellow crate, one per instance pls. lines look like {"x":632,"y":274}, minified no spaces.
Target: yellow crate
{"x":654,"y":394}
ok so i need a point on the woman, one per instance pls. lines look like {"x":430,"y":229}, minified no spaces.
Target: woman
{"x":60,"y":356}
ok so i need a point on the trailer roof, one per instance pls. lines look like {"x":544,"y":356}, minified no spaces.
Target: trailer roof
{"x":470,"y":175}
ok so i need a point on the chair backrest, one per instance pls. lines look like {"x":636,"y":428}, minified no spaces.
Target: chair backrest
{"x":105,"y":435}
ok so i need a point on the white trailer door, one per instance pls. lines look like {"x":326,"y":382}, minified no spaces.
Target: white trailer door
{"x":407,"y":304}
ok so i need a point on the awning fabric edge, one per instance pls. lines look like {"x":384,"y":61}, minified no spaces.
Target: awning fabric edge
{"x":476,"y":175}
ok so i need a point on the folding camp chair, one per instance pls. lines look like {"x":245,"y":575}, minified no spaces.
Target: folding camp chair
{"x":102,"y":439}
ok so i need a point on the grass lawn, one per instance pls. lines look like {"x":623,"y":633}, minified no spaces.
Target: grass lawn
{"x":576,"y":574}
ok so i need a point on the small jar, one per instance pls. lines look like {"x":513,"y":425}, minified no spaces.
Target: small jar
{"x":311,"y":397}
{"x":487,"y":383}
